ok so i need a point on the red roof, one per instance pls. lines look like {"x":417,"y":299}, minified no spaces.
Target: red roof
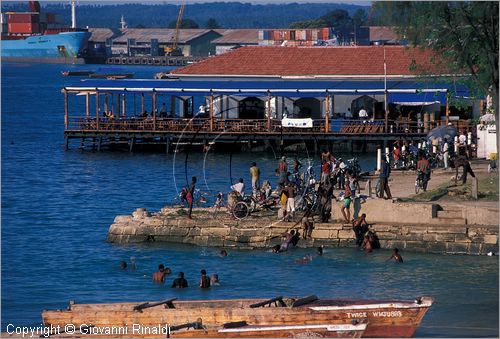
{"x":307,"y":61}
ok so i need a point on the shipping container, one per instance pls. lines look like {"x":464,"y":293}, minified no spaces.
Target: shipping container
{"x":24,"y":28}
{"x":314,"y":35}
{"x":15,"y":18}
{"x":261,"y":35}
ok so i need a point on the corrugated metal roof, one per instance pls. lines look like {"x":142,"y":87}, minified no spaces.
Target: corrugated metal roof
{"x":164,"y":35}
{"x":239,"y":36}
{"x":316,"y":61}
{"x":101,"y":34}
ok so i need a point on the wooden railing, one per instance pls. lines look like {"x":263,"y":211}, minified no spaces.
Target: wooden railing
{"x":251,"y":126}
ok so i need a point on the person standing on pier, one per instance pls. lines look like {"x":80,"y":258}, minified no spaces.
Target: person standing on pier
{"x":346,"y":208}
{"x":446,"y":153}
{"x":282,"y":170}
{"x":385,"y":172}
{"x":255,"y":174}
{"x":190,"y":196}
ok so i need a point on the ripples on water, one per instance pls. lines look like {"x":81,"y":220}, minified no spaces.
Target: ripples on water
{"x":57,"y":207}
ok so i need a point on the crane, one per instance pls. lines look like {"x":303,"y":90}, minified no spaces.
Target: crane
{"x":175,"y":50}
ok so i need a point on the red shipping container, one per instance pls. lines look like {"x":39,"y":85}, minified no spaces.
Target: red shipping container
{"x":24,"y":28}
{"x":308,"y":35}
{"x":23,"y":18}
{"x":286,"y":35}
{"x":276,"y":35}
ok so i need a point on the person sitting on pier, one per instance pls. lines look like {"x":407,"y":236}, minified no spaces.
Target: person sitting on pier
{"x":204,"y":280}
{"x":159,"y":276}
{"x":395,"y":255}
{"x":360,"y":227}
{"x":239,"y":187}
{"x":180,"y":282}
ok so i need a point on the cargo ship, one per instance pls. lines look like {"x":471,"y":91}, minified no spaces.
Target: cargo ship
{"x":40,"y":37}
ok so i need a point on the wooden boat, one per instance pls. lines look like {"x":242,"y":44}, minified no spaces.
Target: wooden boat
{"x":112,"y":75}
{"x":277,"y":317}
{"x":77,"y":73}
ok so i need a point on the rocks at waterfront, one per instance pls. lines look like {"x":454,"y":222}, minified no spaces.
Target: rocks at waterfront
{"x":434,"y":235}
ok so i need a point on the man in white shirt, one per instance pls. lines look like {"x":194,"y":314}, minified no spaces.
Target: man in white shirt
{"x":363,"y":114}
{"x":445,"y":153}
{"x":239,"y":187}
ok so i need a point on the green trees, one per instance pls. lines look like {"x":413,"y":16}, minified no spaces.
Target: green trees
{"x":186,"y":23}
{"x":212,"y":24}
{"x":464,"y":33}
{"x":338,"y":18}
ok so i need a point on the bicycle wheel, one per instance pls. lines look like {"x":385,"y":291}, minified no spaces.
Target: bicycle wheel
{"x":240,"y":210}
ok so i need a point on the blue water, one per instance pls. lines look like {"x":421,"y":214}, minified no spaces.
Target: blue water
{"x":57,"y":206}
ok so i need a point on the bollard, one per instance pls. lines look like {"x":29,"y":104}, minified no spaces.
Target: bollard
{"x":368,"y":188}
{"x":474,"y":188}
{"x":387,"y":154}
{"x":379,"y":159}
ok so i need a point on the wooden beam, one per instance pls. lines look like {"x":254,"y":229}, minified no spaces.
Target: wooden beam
{"x":106,"y":108}
{"x":327,"y":113}
{"x":154,"y":110}
{"x":386,"y":109}
{"x":211,"y":112}
{"x":269,"y":111}
{"x":447,"y":112}
{"x":87,"y":105}
{"x":65,"y":109}
{"x":97,"y":109}
{"x":124,"y":113}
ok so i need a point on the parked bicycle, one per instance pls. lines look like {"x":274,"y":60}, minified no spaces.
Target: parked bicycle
{"x":420,"y":182}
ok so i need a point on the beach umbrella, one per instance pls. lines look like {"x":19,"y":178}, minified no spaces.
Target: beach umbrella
{"x":449,"y":132}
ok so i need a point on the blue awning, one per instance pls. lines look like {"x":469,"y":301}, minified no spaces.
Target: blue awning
{"x":398,"y":90}
{"x":417,"y":99}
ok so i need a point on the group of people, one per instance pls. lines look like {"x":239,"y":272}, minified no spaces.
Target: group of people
{"x":181,"y":282}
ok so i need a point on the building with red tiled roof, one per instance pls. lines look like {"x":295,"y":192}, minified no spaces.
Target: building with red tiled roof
{"x":349,"y":62}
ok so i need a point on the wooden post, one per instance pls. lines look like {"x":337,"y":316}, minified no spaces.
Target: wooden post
{"x":65,"y":109}
{"x":211,"y":112}
{"x":327,"y":113}
{"x":474,"y":188}
{"x":124,"y":113}
{"x":97,"y":109}
{"x":386,"y":118}
{"x":154,"y":110}
{"x":87,"y":105}
{"x":447,"y":112}
{"x":106,"y":103}
{"x":269,"y":111}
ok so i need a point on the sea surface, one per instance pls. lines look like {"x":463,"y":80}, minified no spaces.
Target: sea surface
{"x":57,"y":206}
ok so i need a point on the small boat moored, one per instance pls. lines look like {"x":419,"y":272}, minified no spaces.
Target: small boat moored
{"x":77,"y":73}
{"x":250,"y":318}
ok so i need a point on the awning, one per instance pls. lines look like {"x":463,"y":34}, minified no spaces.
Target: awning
{"x":418,"y":99}
{"x":399,"y":91}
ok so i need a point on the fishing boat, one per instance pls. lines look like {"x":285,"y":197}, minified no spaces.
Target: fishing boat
{"x":276,"y":317}
{"x":77,"y":73}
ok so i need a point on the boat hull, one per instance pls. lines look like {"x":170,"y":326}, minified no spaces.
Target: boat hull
{"x":384,"y":319}
{"x":65,"y":47}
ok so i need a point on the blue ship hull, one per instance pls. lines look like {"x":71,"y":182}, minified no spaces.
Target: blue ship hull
{"x":61,"y":47}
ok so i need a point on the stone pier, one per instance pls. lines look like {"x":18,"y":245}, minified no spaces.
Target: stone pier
{"x":414,"y":227}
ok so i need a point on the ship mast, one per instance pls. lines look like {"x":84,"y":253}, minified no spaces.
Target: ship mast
{"x":73,"y":13}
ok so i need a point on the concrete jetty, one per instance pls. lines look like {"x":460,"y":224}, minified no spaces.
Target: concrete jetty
{"x":419,"y":227}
